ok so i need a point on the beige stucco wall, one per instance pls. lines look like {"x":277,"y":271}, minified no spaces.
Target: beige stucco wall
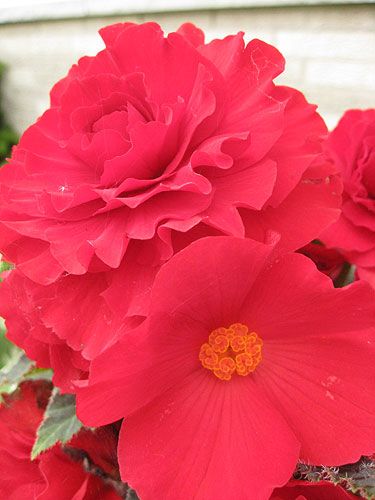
{"x":330,"y":52}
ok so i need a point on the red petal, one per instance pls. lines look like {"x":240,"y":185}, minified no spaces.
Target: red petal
{"x":314,"y":383}
{"x":304,"y":490}
{"x":193,"y":34}
{"x":197,"y":440}
{"x":304,"y":302}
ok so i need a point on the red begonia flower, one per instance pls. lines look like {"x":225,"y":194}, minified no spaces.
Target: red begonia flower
{"x":54,"y":474}
{"x":68,"y":323}
{"x":246,"y":362}
{"x":304,"y":490}
{"x":351,"y":146}
{"x":158,"y":135}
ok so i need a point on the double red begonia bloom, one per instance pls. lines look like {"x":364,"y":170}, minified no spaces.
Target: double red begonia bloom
{"x":68,"y":323}
{"x":304,"y":490}
{"x":351,"y":146}
{"x":60,"y":326}
{"x":155,"y":136}
{"x":54,"y":474}
{"x":247,"y":361}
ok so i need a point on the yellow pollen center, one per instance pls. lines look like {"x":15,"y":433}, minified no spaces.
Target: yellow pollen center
{"x":230,"y":350}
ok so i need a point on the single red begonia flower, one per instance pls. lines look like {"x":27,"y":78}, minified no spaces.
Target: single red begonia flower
{"x":351,"y":146}
{"x":305,"y":490}
{"x":54,"y":474}
{"x":246,"y":362}
{"x":158,"y":135}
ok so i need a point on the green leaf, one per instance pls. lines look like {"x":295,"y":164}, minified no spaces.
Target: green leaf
{"x":39,"y":374}
{"x":15,"y":371}
{"x":359,"y":477}
{"x":4,"y":266}
{"x":59,"y":424}
{"x":6,"y":347}
{"x":346,"y":276}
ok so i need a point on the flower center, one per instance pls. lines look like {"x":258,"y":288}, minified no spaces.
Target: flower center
{"x":230,"y":350}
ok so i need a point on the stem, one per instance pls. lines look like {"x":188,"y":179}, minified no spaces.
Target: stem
{"x":122,"y":489}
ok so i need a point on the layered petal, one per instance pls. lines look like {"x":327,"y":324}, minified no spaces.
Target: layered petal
{"x":316,"y":199}
{"x":37,"y":321}
{"x":351,"y":147}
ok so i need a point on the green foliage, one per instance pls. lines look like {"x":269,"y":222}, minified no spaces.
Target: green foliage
{"x":4,"y":266}
{"x":5,"y":346}
{"x":358,"y":478}
{"x":8,"y":137}
{"x":14,"y":371}
{"x":346,"y":276}
{"x":59,"y":424}
{"x":16,"y":367}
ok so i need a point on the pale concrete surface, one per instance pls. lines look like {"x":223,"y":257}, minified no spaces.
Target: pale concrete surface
{"x":330,"y":52}
{"x":26,"y":10}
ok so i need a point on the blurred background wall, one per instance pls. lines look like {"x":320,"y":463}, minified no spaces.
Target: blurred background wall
{"x":329,"y":45}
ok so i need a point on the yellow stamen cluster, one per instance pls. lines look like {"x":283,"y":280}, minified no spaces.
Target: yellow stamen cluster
{"x":230,"y":350}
